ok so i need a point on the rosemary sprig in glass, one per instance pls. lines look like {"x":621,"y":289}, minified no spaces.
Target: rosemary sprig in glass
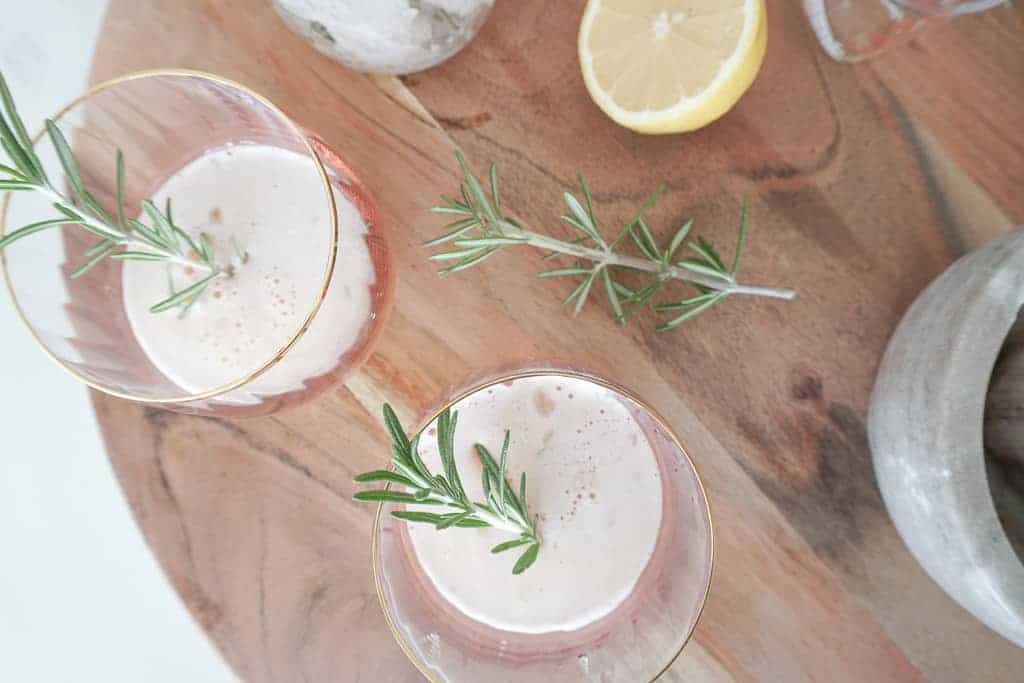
{"x":481,"y":229}
{"x":503,"y":508}
{"x":119,"y":237}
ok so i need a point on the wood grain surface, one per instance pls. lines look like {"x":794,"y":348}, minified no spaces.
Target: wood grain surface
{"x":865,"y":182}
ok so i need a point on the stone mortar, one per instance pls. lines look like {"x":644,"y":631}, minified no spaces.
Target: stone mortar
{"x":926,"y":424}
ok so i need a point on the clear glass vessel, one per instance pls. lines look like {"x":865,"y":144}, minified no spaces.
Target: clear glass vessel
{"x":852,"y":30}
{"x":636,"y":641}
{"x":386,"y":36}
{"x":163,"y":120}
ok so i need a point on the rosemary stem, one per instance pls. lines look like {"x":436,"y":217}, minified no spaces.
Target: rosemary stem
{"x":125,"y":239}
{"x":610,"y":258}
{"x":510,"y":524}
{"x":506,"y":524}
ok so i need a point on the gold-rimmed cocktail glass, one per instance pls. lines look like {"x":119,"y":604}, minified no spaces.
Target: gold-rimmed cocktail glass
{"x":162,"y":120}
{"x":637,"y":641}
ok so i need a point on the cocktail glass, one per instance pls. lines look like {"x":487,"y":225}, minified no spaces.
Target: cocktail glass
{"x":853,"y":30}
{"x":162,"y":120}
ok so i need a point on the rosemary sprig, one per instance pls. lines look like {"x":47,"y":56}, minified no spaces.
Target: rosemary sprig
{"x":480,"y":229}
{"x":503,"y":508}
{"x":119,"y":238}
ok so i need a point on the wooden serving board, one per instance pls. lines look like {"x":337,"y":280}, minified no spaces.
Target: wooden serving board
{"x":865,"y":182}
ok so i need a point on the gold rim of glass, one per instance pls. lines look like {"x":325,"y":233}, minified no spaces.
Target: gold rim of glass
{"x":572,"y":374}
{"x":332,"y":255}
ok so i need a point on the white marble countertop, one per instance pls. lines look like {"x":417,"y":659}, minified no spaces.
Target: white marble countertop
{"x":81,"y":598}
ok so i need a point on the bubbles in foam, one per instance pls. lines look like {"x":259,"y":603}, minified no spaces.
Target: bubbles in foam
{"x":259,"y":310}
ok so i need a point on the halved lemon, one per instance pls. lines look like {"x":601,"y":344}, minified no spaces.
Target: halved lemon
{"x":669,"y":66}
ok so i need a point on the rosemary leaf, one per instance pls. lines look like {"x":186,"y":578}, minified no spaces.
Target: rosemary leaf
{"x":493,"y":175}
{"x":586,"y":229}
{"x":119,"y":168}
{"x":578,"y":291}
{"x":708,"y":253}
{"x":16,"y":185}
{"x":382,"y":475}
{"x":526,"y":560}
{"x":161,"y":225}
{"x":644,"y":295}
{"x":642,"y":245}
{"x":588,"y":198}
{"x":14,"y":152}
{"x":470,"y":261}
{"x":394,"y":428}
{"x":613,"y":298}
{"x":30,"y":229}
{"x":21,"y":135}
{"x":93,"y":260}
{"x":453,"y":520}
{"x":584,"y":293}
{"x":64,"y":154}
{"x":650,"y":246}
{"x":677,"y":240}
{"x":417,"y":461}
{"x":741,"y":239}
{"x":719,"y":263}
{"x":455,"y":210}
{"x":454,"y":255}
{"x":502,"y":486}
{"x":184,"y":295}
{"x":480,"y":199}
{"x":509,"y":545}
{"x":98,"y":247}
{"x":189,"y":242}
{"x":582,"y":221}
{"x":446,"y":424}
{"x":205,"y":247}
{"x":384,"y":496}
{"x":458,"y":229}
{"x":94,"y":207}
{"x":147,"y":234}
{"x":487,"y":460}
{"x":706,"y":259}
{"x":74,"y":216}
{"x":562,"y":272}
{"x":685,"y":303}
{"x":472,"y":523}
{"x":412,"y":515}
{"x":18,"y":175}
{"x":695,"y":311}
{"x":19,"y":157}
{"x":623,"y":291}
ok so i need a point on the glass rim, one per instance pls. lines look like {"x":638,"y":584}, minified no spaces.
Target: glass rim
{"x":548,"y":371}
{"x":332,"y":256}
{"x":962,"y":7}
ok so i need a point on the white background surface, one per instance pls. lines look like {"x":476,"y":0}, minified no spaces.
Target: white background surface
{"x":81,"y":598}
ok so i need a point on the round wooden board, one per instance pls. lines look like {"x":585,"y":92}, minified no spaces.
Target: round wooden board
{"x":865,"y":182}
